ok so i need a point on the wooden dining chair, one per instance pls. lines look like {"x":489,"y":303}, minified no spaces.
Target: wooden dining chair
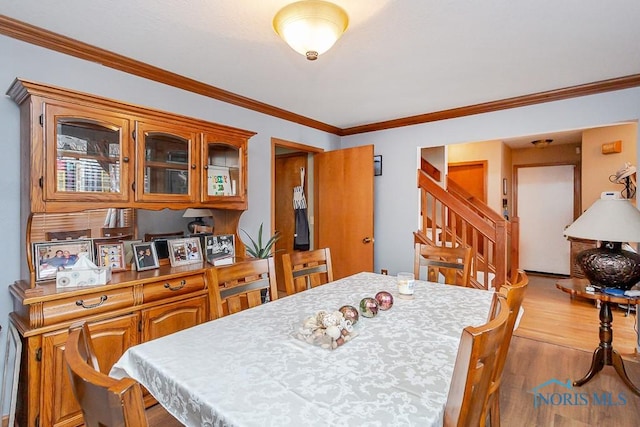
{"x":239,"y":286}
{"x":473,"y":369}
{"x":306,"y":269}
{"x":444,"y":264}
{"x":117,"y":231}
{"x":104,"y":401}
{"x":68,"y":234}
{"x":514,"y":294}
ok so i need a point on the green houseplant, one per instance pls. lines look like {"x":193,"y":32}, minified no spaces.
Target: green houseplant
{"x":258,"y":249}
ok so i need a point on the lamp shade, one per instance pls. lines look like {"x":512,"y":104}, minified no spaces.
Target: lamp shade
{"x":611,"y":219}
{"x":197,"y":214}
{"x":311,"y":27}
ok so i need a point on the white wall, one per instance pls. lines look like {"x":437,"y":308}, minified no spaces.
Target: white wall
{"x":23,"y":60}
{"x":396,"y":194}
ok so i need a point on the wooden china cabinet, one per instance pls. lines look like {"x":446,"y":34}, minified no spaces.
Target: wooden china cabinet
{"x":80,"y":152}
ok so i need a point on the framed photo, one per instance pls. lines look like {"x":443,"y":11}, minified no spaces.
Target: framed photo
{"x":377,"y":165}
{"x":219,"y":247}
{"x":128,"y":250}
{"x":51,"y":257}
{"x":111,"y":255}
{"x":185,"y":251}
{"x":145,"y":256}
{"x":103,"y":241}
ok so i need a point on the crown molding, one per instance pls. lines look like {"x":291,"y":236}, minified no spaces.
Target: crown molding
{"x":503,"y":104}
{"x":59,"y":43}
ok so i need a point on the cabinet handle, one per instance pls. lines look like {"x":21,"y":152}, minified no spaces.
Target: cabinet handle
{"x":80,"y":303}
{"x":177,"y":288}
{"x":193,"y":166}
{"x":125,"y":160}
{"x":206,"y":166}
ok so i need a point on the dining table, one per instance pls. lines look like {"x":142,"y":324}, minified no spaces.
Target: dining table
{"x":250,"y":369}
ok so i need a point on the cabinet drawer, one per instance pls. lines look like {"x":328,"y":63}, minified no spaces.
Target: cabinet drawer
{"x":172,"y":287}
{"x":86,"y":305}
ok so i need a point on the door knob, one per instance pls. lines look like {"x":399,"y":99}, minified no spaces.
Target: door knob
{"x":367,"y":240}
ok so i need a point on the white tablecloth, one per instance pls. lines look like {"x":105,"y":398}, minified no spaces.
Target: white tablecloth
{"x":247,"y":369}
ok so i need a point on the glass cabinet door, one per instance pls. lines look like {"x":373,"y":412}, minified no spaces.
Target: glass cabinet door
{"x":168,"y":161}
{"x":89,"y":152}
{"x":224,"y":177}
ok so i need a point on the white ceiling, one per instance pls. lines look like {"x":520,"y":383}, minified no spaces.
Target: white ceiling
{"x":398,"y":58}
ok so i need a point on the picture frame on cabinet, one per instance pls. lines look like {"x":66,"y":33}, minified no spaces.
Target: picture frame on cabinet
{"x":185,"y":251}
{"x":111,"y":255}
{"x":51,"y":257}
{"x":128,"y":250}
{"x":145,"y":256}
{"x":219,"y":247}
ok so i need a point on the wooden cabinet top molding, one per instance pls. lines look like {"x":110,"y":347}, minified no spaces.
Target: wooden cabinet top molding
{"x":21,"y":89}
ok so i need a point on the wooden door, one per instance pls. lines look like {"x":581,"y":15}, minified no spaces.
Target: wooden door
{"x":344,"y":208}
{"x":471,"y":176}
{"x":110,"y":338}
{"x":287,"y":176}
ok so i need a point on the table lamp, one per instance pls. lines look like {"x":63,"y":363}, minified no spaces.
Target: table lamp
{"x":612,"y":220}
{"x":197,"y":214}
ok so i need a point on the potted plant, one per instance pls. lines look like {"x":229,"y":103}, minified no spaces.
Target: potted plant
{"x":260,"y":250}
{"x":257,"y":248}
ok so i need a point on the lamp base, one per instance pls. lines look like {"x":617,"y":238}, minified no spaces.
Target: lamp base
{"x":609,"y":266}
{"x":192,"y":225}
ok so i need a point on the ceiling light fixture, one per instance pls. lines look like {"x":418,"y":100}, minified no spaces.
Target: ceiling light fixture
{"x":541,"y":143}
{"x":311,"y":27}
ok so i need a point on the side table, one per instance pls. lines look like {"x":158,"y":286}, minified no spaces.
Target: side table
{"x":604,"y":354}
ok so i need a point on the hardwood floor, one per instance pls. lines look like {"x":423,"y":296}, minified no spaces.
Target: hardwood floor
{"x":555,"y":340}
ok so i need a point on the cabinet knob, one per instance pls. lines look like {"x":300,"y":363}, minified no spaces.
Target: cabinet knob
{"x":193,"y":166}
{"x":206,"y":166}
{"x":125,"y":160}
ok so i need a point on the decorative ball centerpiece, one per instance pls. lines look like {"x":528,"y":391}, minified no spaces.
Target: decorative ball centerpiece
{"x":350,"y":313}
{"x":385,"y":300}
{"x":369,"y":307}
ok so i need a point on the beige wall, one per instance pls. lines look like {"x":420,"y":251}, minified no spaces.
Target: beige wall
{"x":492,"y":152}
{"x":598,"y":167}
{"x":565,"y":153}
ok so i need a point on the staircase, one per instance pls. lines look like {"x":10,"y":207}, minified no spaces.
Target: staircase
{"x":452,"y":217}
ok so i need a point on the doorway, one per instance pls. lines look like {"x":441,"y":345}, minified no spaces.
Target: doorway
{"x":545,"y":204}
{"x":287,"y":160}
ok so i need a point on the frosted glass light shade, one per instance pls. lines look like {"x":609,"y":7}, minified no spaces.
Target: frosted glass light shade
{"x":610,"y":219}
{"x":311,"y":27}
